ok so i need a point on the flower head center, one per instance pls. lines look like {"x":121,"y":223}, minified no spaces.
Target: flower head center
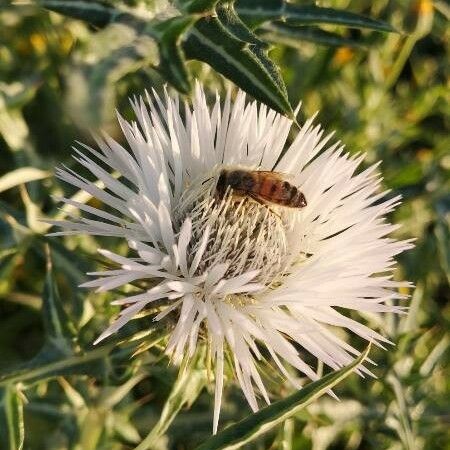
{"x":243,"y":233}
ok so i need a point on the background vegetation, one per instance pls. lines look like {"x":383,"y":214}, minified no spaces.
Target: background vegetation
{"x":386,"y":94}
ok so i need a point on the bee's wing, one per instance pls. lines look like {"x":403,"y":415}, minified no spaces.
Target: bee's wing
{"x":277,"y":175}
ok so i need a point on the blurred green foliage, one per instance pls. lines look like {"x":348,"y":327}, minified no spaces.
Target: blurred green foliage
{"x":58,"y":79}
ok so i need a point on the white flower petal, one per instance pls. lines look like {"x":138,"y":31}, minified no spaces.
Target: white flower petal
{"x":233,"y":285}
{"x":218,"y":350}
{"x":198,"y":255}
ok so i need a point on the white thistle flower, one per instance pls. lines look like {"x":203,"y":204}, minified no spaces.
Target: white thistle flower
{"x":243,"y":272}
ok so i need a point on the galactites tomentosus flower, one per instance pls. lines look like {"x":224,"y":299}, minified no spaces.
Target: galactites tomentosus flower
{"x":241,"y":271}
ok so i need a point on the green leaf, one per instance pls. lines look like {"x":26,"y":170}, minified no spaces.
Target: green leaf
{"x":123,"y":426}
{"x":11,"y":419}
{"x":300,"y":15}
{"x":197,"y":6}
{"x":9,"y":261}
{"x":19,"y":93}
{"x":56,"y":322}
{"x":218,"y":41}
{"x":237,"y":435}
{"x":102,"y":77}
{"x":119,"y":49}
{"x":74,"y":265}
{"x":94,"y":12}
{"x":256,"y":12}
{"x":293,"y":36}
{"x":50,"y":363}
{"x":228,"y":17}
{"x":173,"y":64}
{"x":20,"y":176}
{"x":190,"y":382}
{"x":113,"y":395}
{"x":235,"y":26}
{"x":59,"y":346}
{"x":442,"y":235}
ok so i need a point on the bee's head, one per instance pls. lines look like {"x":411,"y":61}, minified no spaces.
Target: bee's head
{"x":221,"y":185}
{"x":302,"y":201}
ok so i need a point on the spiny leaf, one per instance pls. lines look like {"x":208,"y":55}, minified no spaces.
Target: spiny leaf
{"x":103,"y":76}
{"x":212,"y":42}
{"x":9,"y":261}
{"x":139,"y":53}
{"x":256,"y":12}
{"x":235,"y":436}
{"x":293,"y":36}
{"x":197,"y":6}
{"x":173,"y":63}
{"x":236,"y":27}
{"x":310,"y":14}
{"x":97,"y":13}
{"x":12,"y":432}
{"x":190,"y":382}
{"x":51,"y":364}
{"x":124,"y":428}
{"x":73,"y":266}
{"x":56,"y":322}
{"x":258,"y":47}
{"x":59,"y":345}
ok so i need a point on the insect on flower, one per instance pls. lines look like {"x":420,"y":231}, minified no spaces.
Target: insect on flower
{"x":231,"y":273}
{"x":260,"y":185}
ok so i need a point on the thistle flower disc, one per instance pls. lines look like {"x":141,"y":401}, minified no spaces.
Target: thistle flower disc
{"x":243,"y":272}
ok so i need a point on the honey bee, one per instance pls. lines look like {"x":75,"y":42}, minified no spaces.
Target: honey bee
{"x":261,"y":186}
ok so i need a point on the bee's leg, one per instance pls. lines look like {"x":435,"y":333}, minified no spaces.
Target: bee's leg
{"x":263,"y":203}
{"x":273,"y":211}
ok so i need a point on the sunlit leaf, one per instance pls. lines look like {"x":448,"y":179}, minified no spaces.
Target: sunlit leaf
{"x":56,"y":322}
{"x":17,"y":94}
{"x":123,"y":426}
{"x":12,"y":432}
{"x":294,"y":36}
{"x":256,"y":12}
{"x":239,"y":434}
{"x":191,"y":380}
{"x":309,"y":14}
{"x":74,"y":265}
{"x":95,"y":12}
{"x":212,"y":42}
{"x":228,"y":17}
{"x":52,"y":363}
{"x":172,"y":60}
{"x":103,"y":76}
{"x":8,"y":263}
{"x":197,"y":6}
{"x":20,"y":176}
